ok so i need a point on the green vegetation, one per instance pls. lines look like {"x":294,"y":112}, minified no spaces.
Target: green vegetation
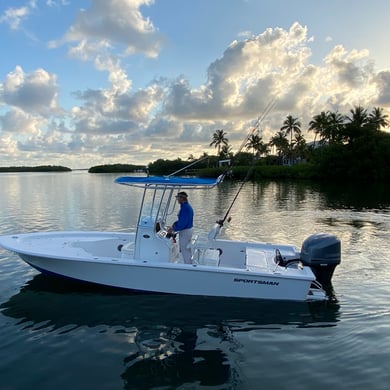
{"x":367,"y":158}
{"x":40,"y":168}
{"x":117,"y":168}
{"x":298,"y":171}
{"x":348,"y":148}
{"x":161,"y":167}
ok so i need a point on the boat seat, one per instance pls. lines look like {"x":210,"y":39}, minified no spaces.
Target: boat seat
{"x":256,"y":258}
{"x":209,"y":256}
{"x":202,"y":253}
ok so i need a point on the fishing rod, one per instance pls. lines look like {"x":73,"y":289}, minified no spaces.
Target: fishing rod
{"x":255,"y":128}
{"x":252,"y":131}
{"x":260,"y":118}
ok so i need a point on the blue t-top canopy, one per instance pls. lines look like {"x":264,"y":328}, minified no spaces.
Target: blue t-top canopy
{"x":168,"y":181}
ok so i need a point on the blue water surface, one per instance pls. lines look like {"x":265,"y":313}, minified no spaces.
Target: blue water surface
{"x":59,"y":335}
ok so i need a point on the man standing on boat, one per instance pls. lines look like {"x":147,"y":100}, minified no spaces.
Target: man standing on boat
{"x":183,"y":225}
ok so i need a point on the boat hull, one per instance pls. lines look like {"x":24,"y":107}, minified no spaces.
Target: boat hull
{"x":175,"y":279}
{"x":64,"y":254}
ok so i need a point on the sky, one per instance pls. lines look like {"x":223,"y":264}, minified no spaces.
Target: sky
{"x":91,"y":82}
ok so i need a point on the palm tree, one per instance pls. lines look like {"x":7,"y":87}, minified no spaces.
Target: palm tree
{"x":359,"y":116}
{"x":318,"y":124}
{"x":255,"y":142}
{"x":357,"y":122}
{"x":280,"y":142}
{"x":378,"y":119}
{"x":300,"y":146}
{"x":291,"y":126}
{"x":336,"y":127}
{"x":219,"y":139}
{"x":329,"y":126}
{"x":226,"y":152}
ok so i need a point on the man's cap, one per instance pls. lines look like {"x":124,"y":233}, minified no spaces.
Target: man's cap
{"x":182,"y":194}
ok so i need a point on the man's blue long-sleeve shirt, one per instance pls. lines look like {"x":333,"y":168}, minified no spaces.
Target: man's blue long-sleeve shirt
{"x":185,"y":217}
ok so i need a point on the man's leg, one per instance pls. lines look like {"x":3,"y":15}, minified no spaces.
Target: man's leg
{"x":184,"y":240}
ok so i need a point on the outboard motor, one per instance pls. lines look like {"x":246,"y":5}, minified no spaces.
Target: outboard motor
{"x":322,"y":253}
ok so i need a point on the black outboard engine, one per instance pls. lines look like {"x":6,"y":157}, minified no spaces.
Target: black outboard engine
{"x":322,"y":253}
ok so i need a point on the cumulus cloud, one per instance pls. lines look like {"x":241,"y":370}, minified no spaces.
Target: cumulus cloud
{"x":16,"y":121}
{"x":123,"y":25}
{"x":32,"y":92}
{"x":246,"y":77}
{"x":108,"y":111}
{"x":382,"y":81}
{"x":348,"y":67}
{"x":8,"y":146}
{"x":50,"y":142}
{"x":171,"y":118}
{"x":275,"y":65}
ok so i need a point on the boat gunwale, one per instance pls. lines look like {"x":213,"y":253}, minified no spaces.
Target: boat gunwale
{"x":244,"y":272}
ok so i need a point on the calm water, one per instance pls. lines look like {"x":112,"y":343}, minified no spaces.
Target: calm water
{"x":62,"y":335}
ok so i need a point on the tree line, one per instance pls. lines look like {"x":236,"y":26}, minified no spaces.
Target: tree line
{"x":345,"y":146}
{"x":39,"y":168}
{"x":328,"y":127}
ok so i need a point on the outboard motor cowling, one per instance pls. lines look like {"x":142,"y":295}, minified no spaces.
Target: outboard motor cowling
{"x":322,"y":253}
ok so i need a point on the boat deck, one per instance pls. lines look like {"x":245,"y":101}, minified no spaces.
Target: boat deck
{"x":88,"y":245}
{"x":119,"y":247}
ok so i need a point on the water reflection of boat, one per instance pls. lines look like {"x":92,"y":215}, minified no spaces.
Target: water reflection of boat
{"x":59,"y":303}
{"x":149,"y":260}
{"x":172,"y":339}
